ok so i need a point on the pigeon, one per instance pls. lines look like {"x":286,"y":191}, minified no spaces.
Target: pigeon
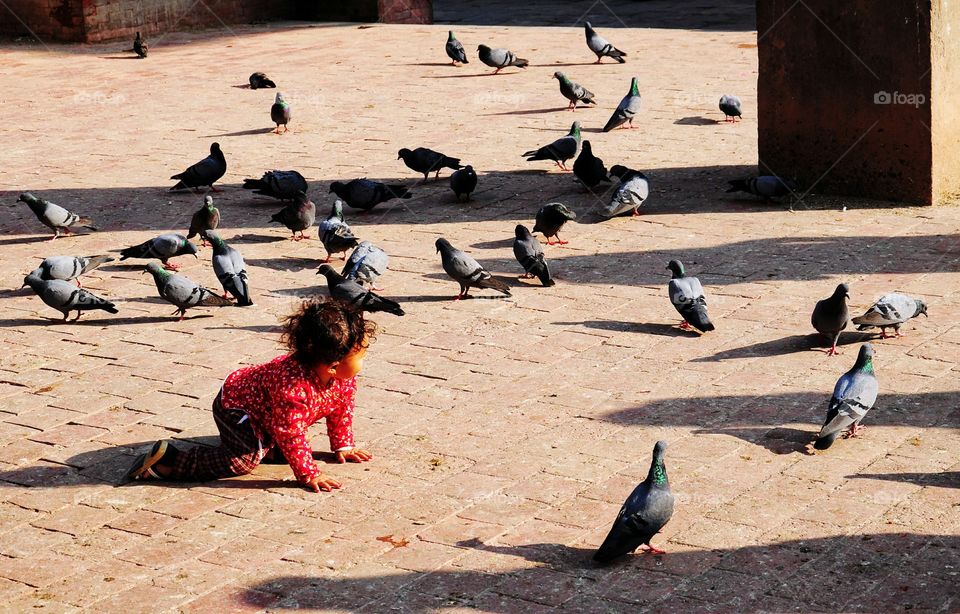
{"x":730,"y":105}
{"x":64,"y":296}
{"x":890,"y":310}
{"x":560,"y":150}
{"x":366,"y":264}
{"x":550,"y":219}
{"x":163,"y":247}
{"x":601,"y":46}
{"x":455,"y":50}
{"x":425,"y":161}
{"x":280,"y":113}
{"x":466,"y":271}
{"x":588,"y":168}
{"x":687,"y":296}
{"x":767,"y":187}
{"x":259,"y":80}
{"x":645,"y":512}
{"x":500,"y":58}
{"x":204,"y":173}
{"x":282,"y":185}
{"x":630,"y":194}
{"x":352,"y":293}
{"x":335,"y":234}
{"x":626,"y":110}
{"x":463,"y":181}
{"x":529,"y":254}
{"x":853,"y":396}
{"x":830,"y":316}
{"x":182,"y":292}
{"x":297,"y":216}
{"x":66,"y":268}
{"x":54,"y":216}
{"x":230,"y":269}
{"x":574,"y":92}
{"x":140,"y":46}
{"x":206,"y":218}
{"x":365,"y":194}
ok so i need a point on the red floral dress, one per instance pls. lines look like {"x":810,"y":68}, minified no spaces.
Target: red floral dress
{"x":283,"y":399}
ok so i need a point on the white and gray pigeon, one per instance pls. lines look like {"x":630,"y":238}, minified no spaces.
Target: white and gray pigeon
{"x":365,"y":194}
{"x":830,"y":316}
{"x":66,"y":268}
{"x":629,"y":195}
{"x":767,"y":187}
{"x":500,"y":58}
{"x":601,"y":46}
{"x":466,"y":271}
{"x":335,"y":234}
{"x":366,"y":264}
{"x":644,"y":514}
{"x":182,"y":292}
{"x":455,"y":50}
{"x":206,"y":172}
{"x":730,"y":105}
{"x":163,"y":247}
{"x":574,"y":92}
{"x":559,"y":151}
{"x":66,"y":297}
{"x":628,"y":108}
{"x":352,"y":293}
{"x":529,"y":253}
{"x":853,"y":396}
{"x":230,"y":270}
{"x":54,"y":216}
{"x":891,"y":311}
{"x":687,"y":296}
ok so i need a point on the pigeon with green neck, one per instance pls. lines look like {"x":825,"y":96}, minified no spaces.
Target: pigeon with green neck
{"x":574,"y":92}
{"x":280,"y":113}
{"x":66,"y":268}
{"x":207,"y":217}
{"x":455,"y":50}
{"x":163,"y":247}
{"x":54,"y":216}
{"x":626,"y":110}
{"x":182,"y":292}
{"x":64,"y":296}
{"x":230,"y":270}
{"x":853,"y":396}
{"x":335,"y":234}
{"x":559,"y":151}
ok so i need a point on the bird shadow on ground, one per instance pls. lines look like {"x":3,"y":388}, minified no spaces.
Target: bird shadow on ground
{"x":120,"y":57}
{"x":943,"y":479}
{"x":482,"y":74}
{"x":646,"y":328}
{"x":791,"y":344}
{"x":286,"y":264}
{"x":697,"y":120}
{"x":528,"y":112}
{"x":779,"y":440}
{"x":22,"y":240}
{"x":254,"y":328}
{"x":250,"y":132}
{"x":257,"y":238}
{"x":245,"y":86}
{"x":501,"y":243}
{"x":562,"y":64}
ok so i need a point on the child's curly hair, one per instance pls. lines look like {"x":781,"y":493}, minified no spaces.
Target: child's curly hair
{"x":325,"y":331}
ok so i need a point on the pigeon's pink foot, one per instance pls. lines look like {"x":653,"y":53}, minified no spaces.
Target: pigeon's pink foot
{"x":328,"y":258}
{"x":171,"y":266}
{"x":79,"y":285}
{"x":225,"y":295}
{"x":54,"y":237}
{"x":833,"y":351}
{"x":653,"y":550}
{"x":559,"y":242}
{"x":685,"y":325}
{"x":636,"y":213}
{"x":854,"y":431}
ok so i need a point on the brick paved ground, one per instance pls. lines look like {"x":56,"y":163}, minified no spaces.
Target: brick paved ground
{"x":506,"y":432}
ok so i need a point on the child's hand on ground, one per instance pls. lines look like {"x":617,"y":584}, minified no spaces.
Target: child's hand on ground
{"x":322,"y":482}
{"x":354,"y":455}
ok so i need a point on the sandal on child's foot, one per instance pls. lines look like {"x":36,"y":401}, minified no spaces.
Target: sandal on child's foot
{"x":143,"y":467}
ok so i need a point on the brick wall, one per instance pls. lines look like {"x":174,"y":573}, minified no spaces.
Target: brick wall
{"x":47,"y":19}
{"x":406,"y":11}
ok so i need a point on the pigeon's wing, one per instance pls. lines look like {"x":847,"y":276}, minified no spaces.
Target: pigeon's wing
{"x":463,"y":267}
{"x":204,"y":172}
{"x":853,"y":396}
{"x":683,"y":291}
{"x":628,"y":196}
{"x":181,"y":291}
{"x":889,"y":309}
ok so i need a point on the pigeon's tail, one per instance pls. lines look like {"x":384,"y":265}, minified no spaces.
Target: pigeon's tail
{"x":617,"y":55}
{"x":110,"y":308}
{"x":135,"y":251}
{"x":453,"y":163}
{"x":618,"y":543}
{"x":616,"y":120}
{"x":738,"y":185}
{"x":85,"y":222}
{"x":180,"y":184}
{"x":399,"y":190}
{"x":372,"y":302}
{"x":265,"y":82}
{"x":862,"y":324}
{"x":494,"y":284}
{"x":95,"y":261}
{"x":277,"y":217}
{"x":255,"y":184}
{"x":696,"y":316}
{"x":538,"y":267}
{"x":822,"y":443}
{"x":520,"y":63}
{"x":212,"y":299}
{"x":537,"y":154}
{"x":588,"y":100}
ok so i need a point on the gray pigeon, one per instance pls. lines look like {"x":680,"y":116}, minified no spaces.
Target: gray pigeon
{"x":205,"y":218}
{"x":365,"y":194}
{"x":182,"y":292}
{"x":560,"y":150}
{"x":600,"y":46}
{"x":891,"y":310}
{"x":767,"y":187}
{"x":366,"y":264}
{"x":54,"y":216}
{"x":455,"y":50}
{"x":466,"y":271}
{"x":66,"y":268}
{"x":231,"y":271}
{"x":644,"y":514}
{"x":686,"y":294}
{"x":500,"y":58}
{"x":426,"y":161}
{"x":588,"y":168}
{"x":282,"y":185}
{"x":529,"y":254}
{"x":853,"y":396}
{"x":830,"y":316}
{"x":260,"y":80}
{"x":463,"y":181}
{"x":280,"y":113}
{"x":574,"y":92}
{"x":352,"y":293}
{"x":550,"y":219}
{"x":626,"y":110}
{"x":297,"y":216}
{"x":630,"y":194}
{"x":164,"y":247}
{"x":206,"y":172}
{"x":140,"y":46}
{"x":335,"y":234}
{"x":730,"y":105}
{"x":64,"y":296}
